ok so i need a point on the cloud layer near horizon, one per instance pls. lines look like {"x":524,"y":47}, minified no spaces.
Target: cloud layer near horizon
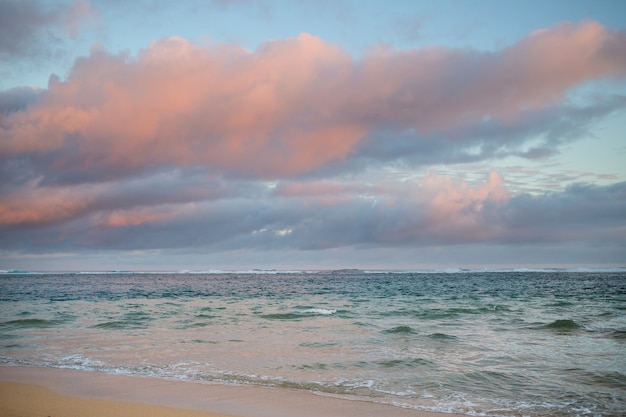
{"x":213,"y":145}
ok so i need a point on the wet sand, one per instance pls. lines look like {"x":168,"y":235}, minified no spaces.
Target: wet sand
{"x":43,"y":392}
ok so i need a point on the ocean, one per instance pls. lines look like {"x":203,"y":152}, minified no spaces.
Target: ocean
{"x":488,"y":343}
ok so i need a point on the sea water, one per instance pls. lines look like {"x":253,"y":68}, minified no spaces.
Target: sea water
{"x":496,"y":343}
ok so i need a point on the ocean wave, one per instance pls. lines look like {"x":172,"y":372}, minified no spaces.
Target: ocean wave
{"x":619,"y":334}
{"x":442,"y":337}
{"x":317,"y":345}
{"x":120,"y":325}
{"x":195,"y":325}
{"x":611,"y":379}
{"x":283,"y":316}
{"x":402,"y":330}
{"x":300,"y":314}
{"x":257,"y":271}
{"x":561,"y":326}
{"x":444,"y":313}
{"x":29,"y":323}
{"x":403,"y":363}
{"x":207,"y":316}
{"x":498,"y":270}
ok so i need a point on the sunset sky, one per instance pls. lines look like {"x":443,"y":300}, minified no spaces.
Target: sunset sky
{"x":312,"y":134}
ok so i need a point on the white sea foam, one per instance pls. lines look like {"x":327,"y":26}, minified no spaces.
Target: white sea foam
{"x":320,"y":311}
{"x":327,"y":272}
{"x":79,"y":362}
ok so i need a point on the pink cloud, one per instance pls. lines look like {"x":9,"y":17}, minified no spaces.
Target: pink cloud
{"x":134,"y":217}
{"x":435,"y":87}
{"x":458,"y":211}
{"x":292,"y":106}
{"x":433,"y":206}
{"x":438,"y":208}
{"x":449,"y":198}
{"x":109,"y":204}
{"x":31,"y":207}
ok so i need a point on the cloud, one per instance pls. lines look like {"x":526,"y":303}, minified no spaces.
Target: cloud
{"x":310,"y":215}
{"x":32,"y":205}
{"x":581,"y":212}
{"x":17,"y":99}
{"x":536,"y":134}
{"x":298,"y":105}
{"x":431,"y":210}
{"x":29,"y":29}
{"x":288,"y":147}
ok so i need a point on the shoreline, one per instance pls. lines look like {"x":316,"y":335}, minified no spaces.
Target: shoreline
{"x":74,"y":392}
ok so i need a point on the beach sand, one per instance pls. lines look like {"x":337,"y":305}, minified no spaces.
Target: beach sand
{"x":43,"y":392}
{"x":25,"y":400}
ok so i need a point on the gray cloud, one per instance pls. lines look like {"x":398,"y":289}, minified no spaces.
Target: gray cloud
{"x":17,"y":99}
{"x":535,"y":134}
{"x":261,"y":218}
{"x":29,"y":29}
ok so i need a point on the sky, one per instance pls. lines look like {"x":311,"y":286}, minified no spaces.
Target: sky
{"x":312,"y":134}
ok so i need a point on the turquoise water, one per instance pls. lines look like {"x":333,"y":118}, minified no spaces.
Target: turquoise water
{"x":533,"y":343}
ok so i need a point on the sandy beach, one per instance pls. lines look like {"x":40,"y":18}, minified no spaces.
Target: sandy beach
{"x":26,"y":400}
{"x":37,"y":392}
